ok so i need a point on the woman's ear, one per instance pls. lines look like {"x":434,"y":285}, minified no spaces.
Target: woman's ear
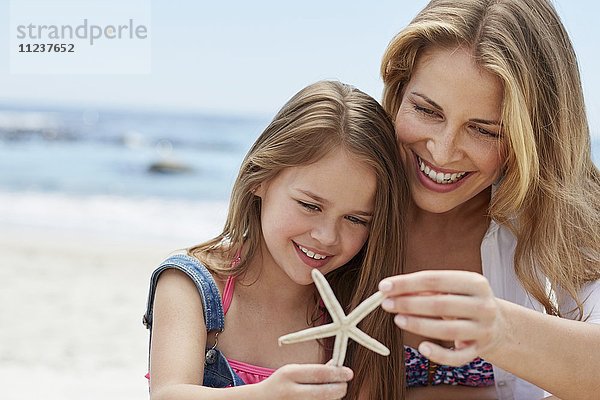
{"x":259,"y":191}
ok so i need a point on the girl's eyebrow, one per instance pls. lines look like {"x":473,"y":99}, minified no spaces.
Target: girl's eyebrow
{"x":436,"y":105}
{"x":321,"y":200}
{"x":313,"y":196}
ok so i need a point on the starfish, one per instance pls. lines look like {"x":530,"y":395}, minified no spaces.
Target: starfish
{"x":343,"y":326}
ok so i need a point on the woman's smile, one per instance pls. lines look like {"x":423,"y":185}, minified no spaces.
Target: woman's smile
{"x":451,"y":144}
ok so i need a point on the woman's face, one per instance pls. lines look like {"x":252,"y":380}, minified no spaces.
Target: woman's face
{"x":449,"y":129}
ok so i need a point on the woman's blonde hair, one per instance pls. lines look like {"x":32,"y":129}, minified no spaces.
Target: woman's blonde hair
{"x":321,"y":118}
{"x":550,"y":195}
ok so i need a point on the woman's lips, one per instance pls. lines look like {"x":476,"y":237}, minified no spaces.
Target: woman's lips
{"x":437,"y":179}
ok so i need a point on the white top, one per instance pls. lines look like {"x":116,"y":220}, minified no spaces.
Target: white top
{"x":497,"y":255}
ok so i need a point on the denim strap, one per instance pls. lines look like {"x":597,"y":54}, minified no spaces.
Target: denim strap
{"x":207,"y":288}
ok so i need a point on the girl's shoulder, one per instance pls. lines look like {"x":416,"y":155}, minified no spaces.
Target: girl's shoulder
{"x":195,"y":269}
{"x":188,"y":267}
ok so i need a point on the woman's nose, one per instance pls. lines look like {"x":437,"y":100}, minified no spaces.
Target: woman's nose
{"x":445,"y":147}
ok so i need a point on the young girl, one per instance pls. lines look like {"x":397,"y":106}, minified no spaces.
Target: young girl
{"x":322,"y":187}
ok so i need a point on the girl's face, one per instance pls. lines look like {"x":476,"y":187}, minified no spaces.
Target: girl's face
{"x":317,"y":215}
{"x":449,"y":129}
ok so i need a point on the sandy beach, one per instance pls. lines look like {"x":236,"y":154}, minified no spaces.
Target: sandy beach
{"x":71,"y":299}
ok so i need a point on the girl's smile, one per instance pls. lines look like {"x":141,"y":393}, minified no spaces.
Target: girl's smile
{"x":316,"y":215}
{"x":312,"y":258}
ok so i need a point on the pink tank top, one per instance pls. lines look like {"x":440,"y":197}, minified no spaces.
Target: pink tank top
{"x":247,"y":372}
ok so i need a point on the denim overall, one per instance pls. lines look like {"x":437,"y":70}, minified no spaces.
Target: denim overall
{"x":217,"y":371}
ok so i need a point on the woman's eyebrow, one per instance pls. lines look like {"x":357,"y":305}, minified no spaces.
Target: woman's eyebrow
{"x":428,"y":100}
{"x":486,"y":122}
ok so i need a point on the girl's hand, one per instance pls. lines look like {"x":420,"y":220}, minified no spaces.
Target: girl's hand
{"x":456,"y":306}
{"x":307,"y":381}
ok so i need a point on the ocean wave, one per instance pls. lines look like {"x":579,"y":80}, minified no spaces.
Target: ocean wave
{"x":177,"y":221}
{"x":120,"y":128}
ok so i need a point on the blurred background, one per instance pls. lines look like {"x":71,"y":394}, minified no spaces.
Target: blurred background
{"x":101,"y":176}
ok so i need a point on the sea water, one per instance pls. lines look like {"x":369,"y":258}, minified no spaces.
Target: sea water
{"x":83,"y":152}
{"x":92,"y":170}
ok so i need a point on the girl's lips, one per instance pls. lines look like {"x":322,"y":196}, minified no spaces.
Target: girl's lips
{"x":311,"y":262}
{"x":434,"y":186}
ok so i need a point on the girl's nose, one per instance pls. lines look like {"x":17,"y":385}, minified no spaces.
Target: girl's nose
{"x":326,"y":232}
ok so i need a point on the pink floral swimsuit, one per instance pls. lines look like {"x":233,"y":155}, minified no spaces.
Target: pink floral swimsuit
{"x":421,"y":372}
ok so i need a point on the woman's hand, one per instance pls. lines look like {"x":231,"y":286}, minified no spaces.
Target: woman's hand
{"x":307,"y":381}
{"x":456,"y":306}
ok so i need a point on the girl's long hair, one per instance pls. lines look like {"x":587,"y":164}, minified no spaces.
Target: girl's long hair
{"x":321,"y":118}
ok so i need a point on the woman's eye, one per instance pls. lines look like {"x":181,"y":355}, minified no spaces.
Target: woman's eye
{"x":356,"y":220}
{"x":485,"y":132}
{"x":424,"y":110}
{"x":308,"y":206}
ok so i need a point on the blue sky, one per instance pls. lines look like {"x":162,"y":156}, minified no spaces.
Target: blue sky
{"x":248,"y":58}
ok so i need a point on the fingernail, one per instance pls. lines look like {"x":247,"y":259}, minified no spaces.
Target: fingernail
{"x":349,"y":373}
{"x":385,"y":286}
{"x":387,"y":304}
{"x":425,"y":350}
{"x":400,"y":320}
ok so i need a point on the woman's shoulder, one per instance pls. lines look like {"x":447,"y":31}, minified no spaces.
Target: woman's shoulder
{"x":589,"y":294}
{"x":498,"y":245}
{"x":497,"y":262}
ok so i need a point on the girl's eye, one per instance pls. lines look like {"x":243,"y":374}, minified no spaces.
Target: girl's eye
{"x":308,"y":206}
{"x":356,"y":220}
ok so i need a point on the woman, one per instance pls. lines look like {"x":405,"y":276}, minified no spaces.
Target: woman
{"x":503,"y":264}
